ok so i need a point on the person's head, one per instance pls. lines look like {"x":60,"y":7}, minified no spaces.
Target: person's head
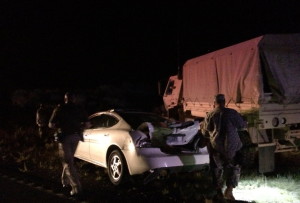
{"x":69,"y":97}
{"x":219,"y":100}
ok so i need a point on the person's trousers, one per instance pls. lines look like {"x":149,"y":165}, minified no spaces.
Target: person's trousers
{"x":67,"y":150}
{"x":219,"y":165}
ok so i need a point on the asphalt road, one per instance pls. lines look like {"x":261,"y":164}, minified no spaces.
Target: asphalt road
{"x":18,"y":190}
{"x":18,"y":187}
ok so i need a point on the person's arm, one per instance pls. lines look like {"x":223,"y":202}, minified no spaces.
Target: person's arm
{"x":85,"y":121}
{"x":232,"y":140}
{"x":240,"y":123}
{"x":204,"y":126}
{"x":37,"y":118}
{"x":53,"y":122}
{"x":237,"y":120}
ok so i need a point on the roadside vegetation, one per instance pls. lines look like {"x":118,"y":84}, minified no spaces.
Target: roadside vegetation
{"x":269,"y":189}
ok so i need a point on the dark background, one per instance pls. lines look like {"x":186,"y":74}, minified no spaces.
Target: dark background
{"x":85,"y":44}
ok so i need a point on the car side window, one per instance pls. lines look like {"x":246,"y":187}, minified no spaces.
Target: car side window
{"x":111,"y":121}
{"x":103,"y":121}
{"x":96,"y":122}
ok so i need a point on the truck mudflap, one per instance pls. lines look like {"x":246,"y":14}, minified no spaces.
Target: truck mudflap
{"x":266,"y":157}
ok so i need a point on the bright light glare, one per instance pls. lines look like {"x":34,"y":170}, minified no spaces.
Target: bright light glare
{"x":265,"y":194}
{"x":131,"y":146}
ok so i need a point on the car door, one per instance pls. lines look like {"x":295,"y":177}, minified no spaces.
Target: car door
{"x":100,"y":137}
{"x":83,"y":150}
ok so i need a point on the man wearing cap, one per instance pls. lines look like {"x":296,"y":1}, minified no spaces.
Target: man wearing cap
{"x":221,"y":125}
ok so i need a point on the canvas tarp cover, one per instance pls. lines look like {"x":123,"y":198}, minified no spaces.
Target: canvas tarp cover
{"x":243,"y":72}
{"x":280,"y":57}
{"x":233,"y":71}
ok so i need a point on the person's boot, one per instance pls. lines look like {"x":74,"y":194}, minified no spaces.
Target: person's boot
{"x":76,"y":190}
{"x":228,"y":193}
{"x":65,"y":184}
{"x":219,"y":197}
{"x":77,"y":193}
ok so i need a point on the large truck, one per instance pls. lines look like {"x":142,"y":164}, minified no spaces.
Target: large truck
{"x":260,"y":78}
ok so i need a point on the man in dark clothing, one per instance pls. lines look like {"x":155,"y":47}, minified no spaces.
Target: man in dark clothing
{"x":69,"y":120}
{"x":221,"y":126}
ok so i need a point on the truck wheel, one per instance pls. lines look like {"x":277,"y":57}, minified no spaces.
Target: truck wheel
{"x":117,"y":167}
{"x":247,"y":155}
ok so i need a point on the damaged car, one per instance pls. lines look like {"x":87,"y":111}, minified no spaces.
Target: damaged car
{"x":129,"y":143}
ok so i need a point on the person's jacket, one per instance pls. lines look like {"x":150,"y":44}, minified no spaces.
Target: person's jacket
{"x":222,"y":125}
{"x":68,"y":118}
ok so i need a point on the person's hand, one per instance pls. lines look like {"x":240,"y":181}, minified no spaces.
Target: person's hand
{"x":201,"y":124}
{"x":87,"y":125}
{"x":228,"y":163}
{"x":203,"y":130}
{"x":52,"y":125}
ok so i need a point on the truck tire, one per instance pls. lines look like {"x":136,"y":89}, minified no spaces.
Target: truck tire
{"x":247,"y":156}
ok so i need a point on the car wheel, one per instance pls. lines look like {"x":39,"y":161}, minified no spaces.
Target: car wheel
{"x":117,"y":167}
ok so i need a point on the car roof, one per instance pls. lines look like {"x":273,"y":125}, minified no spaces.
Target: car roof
{"x":134,"y":118}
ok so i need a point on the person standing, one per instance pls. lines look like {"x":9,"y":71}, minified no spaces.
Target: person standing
{"x":42,"y":119}
{"x":69,"y":120}
{"x":221,"y":125}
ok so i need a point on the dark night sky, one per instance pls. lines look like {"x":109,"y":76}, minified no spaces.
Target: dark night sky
{"x":88,"y":43}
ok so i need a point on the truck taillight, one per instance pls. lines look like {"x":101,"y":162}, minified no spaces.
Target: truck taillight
{"x":283,"y":120}
{"x":275,"y":121}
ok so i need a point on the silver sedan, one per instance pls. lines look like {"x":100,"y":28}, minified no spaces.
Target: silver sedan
{"x":116,"y":141}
